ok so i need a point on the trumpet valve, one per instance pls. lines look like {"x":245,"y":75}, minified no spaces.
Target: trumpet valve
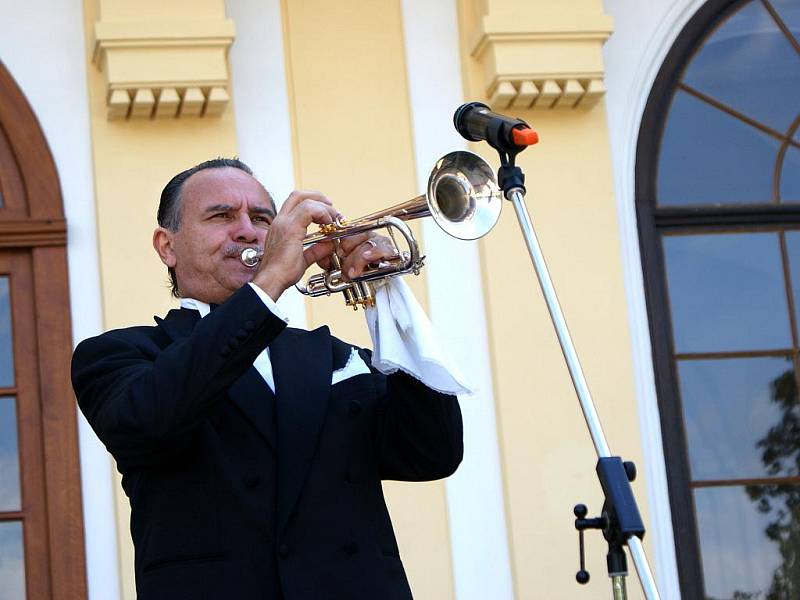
{"x":360,"y":293}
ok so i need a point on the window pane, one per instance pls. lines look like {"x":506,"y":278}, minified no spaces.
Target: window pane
{"x":9,"y":457}
{"x":727,"y":292}
{"x":709,"y":157}
{"x":12,"y":561}
{"x":790,"y":176}
{"x":789,"y":12}
{"x":749,"y":541}
{"x":749,"y":65}
{"x":741,"y":417}
{"x":6,"y":346}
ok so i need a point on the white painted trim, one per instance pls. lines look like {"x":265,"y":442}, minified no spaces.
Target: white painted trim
{"x":42,"y":45}
{"x":261,"y":107}
{"x":478,"y":537}
{"x":644,"y":34}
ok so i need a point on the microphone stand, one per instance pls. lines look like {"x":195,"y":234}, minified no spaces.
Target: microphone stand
{"x":620,"y":520}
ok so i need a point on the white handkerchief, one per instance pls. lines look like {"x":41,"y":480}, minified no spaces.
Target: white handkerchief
{"x":355,"y":366}
{"x":403,"y":339}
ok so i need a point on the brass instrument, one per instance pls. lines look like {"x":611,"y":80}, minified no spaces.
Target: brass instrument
{"x":462,"y":197}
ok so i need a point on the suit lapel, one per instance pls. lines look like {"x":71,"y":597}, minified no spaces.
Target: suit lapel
{"x":301,"y":363}
{"x":250,"y":393}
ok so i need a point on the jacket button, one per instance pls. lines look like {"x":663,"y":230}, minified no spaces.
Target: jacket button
{"x":241,"y":335}
{"x":233,"y":343}
{"x":251,"y":480}
{"x":353,"y":475}
{"x":225,"y":352}
{"x":249,"y":326}
{"x":283,"y":551}
{"x":354,"y":408}
{"x":351,"y":549}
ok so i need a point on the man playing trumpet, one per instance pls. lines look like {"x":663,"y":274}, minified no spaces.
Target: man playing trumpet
{"x":253,"y":453}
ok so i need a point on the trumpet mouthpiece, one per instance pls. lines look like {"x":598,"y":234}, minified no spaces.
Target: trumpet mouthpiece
{"x":250,"y":257}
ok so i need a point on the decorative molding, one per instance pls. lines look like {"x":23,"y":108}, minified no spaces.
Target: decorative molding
{"x":548,"y":93}
{"x":164,"y":69}
{"x":542,"y":58}
{"x":29,"y":233}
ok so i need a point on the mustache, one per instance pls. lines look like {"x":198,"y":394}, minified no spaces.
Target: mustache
{"x":235,"y":250}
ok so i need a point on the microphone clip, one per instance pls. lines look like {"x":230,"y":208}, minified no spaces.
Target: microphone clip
{"x":503,"y":136}
{"x":510,"y":176}
{"x":500,"y":134}
{"x":508,"y":135}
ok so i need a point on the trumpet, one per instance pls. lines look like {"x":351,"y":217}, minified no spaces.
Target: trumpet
{"x":462,"y":197}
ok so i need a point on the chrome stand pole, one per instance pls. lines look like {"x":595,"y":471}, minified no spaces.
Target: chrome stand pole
{"x":517,"y":198}
{"x":618,"y":586}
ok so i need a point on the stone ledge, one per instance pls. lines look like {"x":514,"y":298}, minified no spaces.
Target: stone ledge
{"x":541,"y":58}
{"x":164,"y":69}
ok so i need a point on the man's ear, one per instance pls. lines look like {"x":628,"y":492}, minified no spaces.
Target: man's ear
{"x":162,"y":242}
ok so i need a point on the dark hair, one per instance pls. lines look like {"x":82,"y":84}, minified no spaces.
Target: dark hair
{"x":169,"y":207}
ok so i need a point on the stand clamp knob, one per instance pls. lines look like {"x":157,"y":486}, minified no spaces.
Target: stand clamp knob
{"x":581,"y":524}
{"x":630,"y":470}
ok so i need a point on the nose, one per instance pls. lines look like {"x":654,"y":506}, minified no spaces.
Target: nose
{"x":245,"y":231}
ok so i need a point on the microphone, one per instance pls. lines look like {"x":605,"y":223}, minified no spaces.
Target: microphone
{"x":475,"y":122}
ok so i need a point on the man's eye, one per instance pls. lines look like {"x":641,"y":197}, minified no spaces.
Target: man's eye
{"x":221,"y":215}
{"x":262,"y":219}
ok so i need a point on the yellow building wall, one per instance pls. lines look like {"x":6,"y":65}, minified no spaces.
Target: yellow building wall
{"x":133,"y":160}
{"x":150,"y":10}
{"x":548,"y":459}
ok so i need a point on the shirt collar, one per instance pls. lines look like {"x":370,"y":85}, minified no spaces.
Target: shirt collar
{"x":202,"y":307}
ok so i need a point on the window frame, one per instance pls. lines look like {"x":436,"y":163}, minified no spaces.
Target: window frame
{"x":653,"y":223}
{"x":33,"y":235}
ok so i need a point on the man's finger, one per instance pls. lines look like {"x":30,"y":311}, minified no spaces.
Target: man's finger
{"x":310,"y":211}
{"x":297,"y":196}
{"x":351,"y":242}
{"x":317,"y":253}
{"x":372,"y":251}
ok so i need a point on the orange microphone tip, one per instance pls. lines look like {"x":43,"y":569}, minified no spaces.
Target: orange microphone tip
{"x":525,"y":137}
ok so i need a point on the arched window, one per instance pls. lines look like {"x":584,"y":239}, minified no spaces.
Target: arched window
{"x":718,"y":205}
{"x":41,"y":526}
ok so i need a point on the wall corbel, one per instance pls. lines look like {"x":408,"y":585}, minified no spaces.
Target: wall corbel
{"x":164,"y":69}
{"x":540,"y":55}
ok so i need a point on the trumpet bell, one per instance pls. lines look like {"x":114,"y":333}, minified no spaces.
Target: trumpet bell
{"x":463,"y":196}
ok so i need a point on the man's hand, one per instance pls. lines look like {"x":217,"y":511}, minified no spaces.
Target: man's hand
{"x":358,"y":251}
{"x":285,"y":260}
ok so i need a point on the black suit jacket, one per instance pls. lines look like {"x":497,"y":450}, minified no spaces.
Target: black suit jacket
{"x":238,"y":494}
